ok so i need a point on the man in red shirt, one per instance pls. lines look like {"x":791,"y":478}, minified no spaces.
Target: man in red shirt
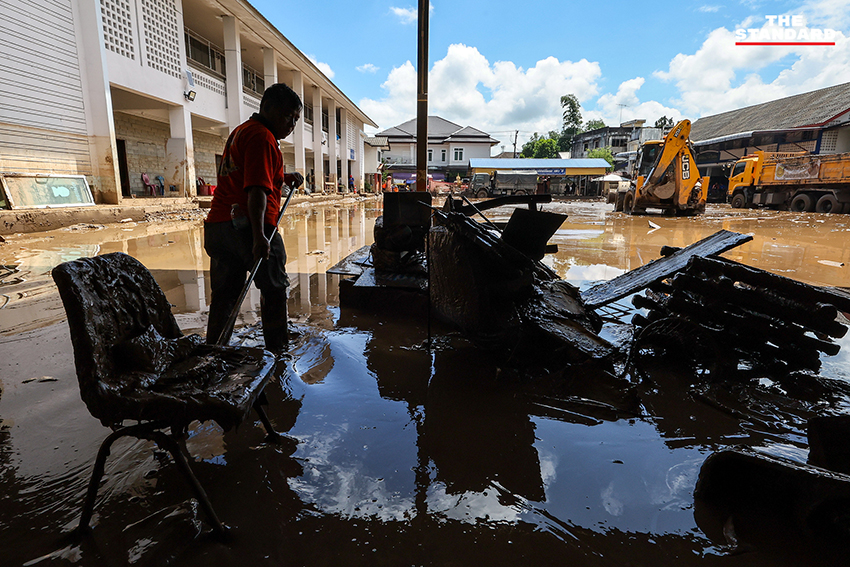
{"x":241,"y":225}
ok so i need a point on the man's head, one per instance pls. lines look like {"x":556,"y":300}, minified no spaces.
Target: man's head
{"x":281,"y":107}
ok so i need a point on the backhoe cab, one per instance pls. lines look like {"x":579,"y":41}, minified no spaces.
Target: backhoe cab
{"x":666,"y":177}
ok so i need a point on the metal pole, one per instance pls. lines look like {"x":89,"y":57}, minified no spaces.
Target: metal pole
{"x":422,"y":100}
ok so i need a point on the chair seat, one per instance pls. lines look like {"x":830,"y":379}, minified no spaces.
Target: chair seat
{"x":201,"y":382}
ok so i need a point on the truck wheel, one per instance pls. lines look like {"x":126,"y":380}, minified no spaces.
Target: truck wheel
{"x":739,"y":201}
{"x":618,"y":206}
{"x":520,"y":192}
{"x":629,"y":203}
{"x":828,"y":204}
{"x":481,"y":194}
{"x":802,"y":203}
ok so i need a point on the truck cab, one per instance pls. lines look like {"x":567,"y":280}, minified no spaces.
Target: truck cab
{"x":740,"y":179}
{"x":479,"y":185}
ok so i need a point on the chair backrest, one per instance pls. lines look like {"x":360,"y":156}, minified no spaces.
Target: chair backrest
{"x":146,"y":179}
{"x":108,"y":299}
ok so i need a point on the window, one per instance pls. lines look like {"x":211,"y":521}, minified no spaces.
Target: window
{"x":430,"y":155}
{"x":338,"y":122}
{"x":739,"y":168}
{"x":308,"y":113}
{"x":442,"y":155}
{"x":325,"y":119}
{"x":252,"y":81}
{"x":458,"y":154}
{"x":204,"y":54}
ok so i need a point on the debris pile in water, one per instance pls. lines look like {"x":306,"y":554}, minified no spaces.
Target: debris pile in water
{"x":735,"y":314}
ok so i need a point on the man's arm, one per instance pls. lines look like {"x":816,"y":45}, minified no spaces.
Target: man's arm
{"x":256,"y":214}
{"x":294,"y":179}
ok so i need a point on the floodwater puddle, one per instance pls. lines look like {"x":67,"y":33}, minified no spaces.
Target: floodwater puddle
{"x":405,"y":455}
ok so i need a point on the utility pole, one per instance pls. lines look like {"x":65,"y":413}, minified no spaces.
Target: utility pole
{"x":422,"y":100}
{"x":621,"y":112}
{"x":516,"y":133}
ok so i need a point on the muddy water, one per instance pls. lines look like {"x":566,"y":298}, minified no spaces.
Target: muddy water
{"x":405,"y":456}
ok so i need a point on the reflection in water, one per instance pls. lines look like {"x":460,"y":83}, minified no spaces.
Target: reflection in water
{"x":405,"y":456}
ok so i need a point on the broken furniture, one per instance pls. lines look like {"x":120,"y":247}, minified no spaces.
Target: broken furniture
{"x":745,"y":315}
{"x":134,"y":364}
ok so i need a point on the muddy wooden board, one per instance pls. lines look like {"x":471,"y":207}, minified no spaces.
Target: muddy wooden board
{"x":639,"y":278}
{"x":351,"y":265}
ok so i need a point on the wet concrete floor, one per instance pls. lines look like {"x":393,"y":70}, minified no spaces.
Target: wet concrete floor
{"x":405,"y":456}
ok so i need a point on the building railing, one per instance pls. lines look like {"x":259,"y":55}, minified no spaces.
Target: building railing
{"x":206,"y":80}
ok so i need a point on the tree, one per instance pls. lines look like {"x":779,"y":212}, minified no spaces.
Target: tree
{"x":572,"y":114}
{"x":664,"y":122}
{"x":593,"y":125}
{"x":546,"y":148}
{"x":528,"y":147}
{"x":604,"y":153}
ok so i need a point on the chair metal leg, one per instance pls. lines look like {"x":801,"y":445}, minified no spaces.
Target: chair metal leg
{"x":173,"y":447}
{"x":100,"y":465}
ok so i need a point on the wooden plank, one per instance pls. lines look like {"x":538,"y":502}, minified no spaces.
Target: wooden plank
{"x":639,"y":278}
{"x":351,"y":265}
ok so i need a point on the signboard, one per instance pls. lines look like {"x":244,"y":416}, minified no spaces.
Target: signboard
{"x":44,"y":191}
{"x":351,"y":153}
{"x":551,"y":171}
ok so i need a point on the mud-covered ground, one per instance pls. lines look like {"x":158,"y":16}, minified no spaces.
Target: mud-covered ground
{"x":407,"y":456}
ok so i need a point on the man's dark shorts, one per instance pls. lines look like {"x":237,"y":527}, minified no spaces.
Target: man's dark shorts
{"x":231,"y":259}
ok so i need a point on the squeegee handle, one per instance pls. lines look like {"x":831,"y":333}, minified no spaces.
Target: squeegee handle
{"x":227,"y":331}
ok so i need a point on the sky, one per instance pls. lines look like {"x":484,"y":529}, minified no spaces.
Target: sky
{"x":502,"y":67}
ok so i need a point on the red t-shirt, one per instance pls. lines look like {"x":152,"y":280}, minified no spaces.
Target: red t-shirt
{"x":251,"y":158}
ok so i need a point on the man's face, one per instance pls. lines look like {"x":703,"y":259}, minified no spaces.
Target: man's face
{"x":284,"y":121}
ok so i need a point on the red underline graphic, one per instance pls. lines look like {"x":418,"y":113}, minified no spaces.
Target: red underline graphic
{"x":784,"y":43}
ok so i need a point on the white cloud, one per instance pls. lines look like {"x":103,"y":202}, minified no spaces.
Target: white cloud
{"x":709,"y":8}
{"x":367,"y":68}
{"x":722,"y":76}
{"x":464,"y":87}
{"x":323,"y":67}
{"x":406,"y":15}
{"x":625,"y":105}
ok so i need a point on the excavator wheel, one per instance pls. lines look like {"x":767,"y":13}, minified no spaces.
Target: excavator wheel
{"x":739,"y":201}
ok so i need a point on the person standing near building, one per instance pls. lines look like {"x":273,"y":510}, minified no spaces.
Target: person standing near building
{"x":241,"y":226}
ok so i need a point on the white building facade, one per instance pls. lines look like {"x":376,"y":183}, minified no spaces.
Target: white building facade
{"x":114,"y":89}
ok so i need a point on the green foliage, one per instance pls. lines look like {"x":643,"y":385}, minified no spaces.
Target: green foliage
{"x":572,"y":113}
{"x":664,"y":122}
{"x":604,"y":153}
{"x":546,"y":148}
{"x":593,"y":125}
{"x":539,"y":147}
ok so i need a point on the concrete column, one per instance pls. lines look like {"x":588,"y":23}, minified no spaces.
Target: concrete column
{"x":269,"y":66}
{"x":319,"y":215}
{"x":180,"y":154}
{"x":357,"y":166}
{"x":343,"y":145}
{"x":100,"y":127}
{"x":318,"y":156}
{"x":332,"y":133}
{"x":298,"y":133}
{"x":303,"y":264}
{"x":233,"y":64}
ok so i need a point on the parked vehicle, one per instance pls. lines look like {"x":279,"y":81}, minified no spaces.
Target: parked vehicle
{"x":666,"y":177}
{"x":500,"y":183}
{"x":798,"y":181}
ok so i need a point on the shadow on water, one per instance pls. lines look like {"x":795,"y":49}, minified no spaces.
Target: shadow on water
{"x":406,"y":455}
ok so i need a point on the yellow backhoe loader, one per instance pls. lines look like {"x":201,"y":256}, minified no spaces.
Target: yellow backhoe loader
{"x":666,"y":177}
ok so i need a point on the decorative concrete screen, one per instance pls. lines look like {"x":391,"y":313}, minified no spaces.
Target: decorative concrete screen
{"x":117,"y":27}
{"x":43,"y":191}
{"x":162,"y":36}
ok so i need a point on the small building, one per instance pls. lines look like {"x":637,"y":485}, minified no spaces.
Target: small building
{"x":450,"y":148}
{"x":576,"y":174}
{"x":614,"y":137}
{"x":373,"y":148}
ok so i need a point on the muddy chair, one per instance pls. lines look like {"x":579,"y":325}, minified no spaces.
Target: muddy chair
{"x":134,"y":365}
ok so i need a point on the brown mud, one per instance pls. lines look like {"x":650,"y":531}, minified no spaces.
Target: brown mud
{"x":406,"y":456}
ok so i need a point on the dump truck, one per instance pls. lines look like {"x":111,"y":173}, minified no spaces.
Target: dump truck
{"x":665,"y":176}
{"x":798,"y":181}
{"x":503,"y":183}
